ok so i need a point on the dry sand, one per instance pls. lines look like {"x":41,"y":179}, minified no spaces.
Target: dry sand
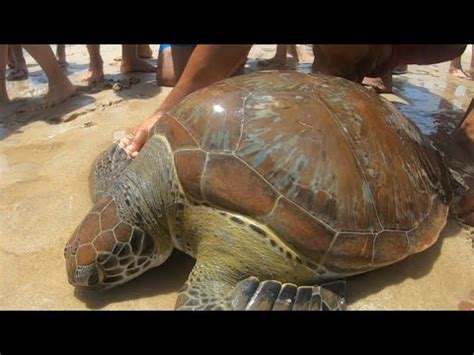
{"x":45,"y":159}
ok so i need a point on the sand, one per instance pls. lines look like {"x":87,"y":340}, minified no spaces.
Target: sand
{"x":45,"y":159}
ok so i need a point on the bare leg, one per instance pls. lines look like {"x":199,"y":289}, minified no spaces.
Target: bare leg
{"x":3,"y":68}
{"x":455,"y":69}
{"x":279,"y":61}
{"x":171,"y":63}
{"x":465,"y":136}
{"x":144,"y":51}
{"x":96,"y":65}
{"x":465,"y":132}
{"x":241,"y":69}
{"x":207,"y":64}
{"x":298,"y":53}
{"x":17,"y":52}
{"x":131,"y":63}
{"x":352,"y":62}
{"x":472,"y":63}
{"x":61,"y":55}
{"x":20,"y":72}
{"x":11,"y":58}
{"x":291,"y":50}
{"x":59,"y":86}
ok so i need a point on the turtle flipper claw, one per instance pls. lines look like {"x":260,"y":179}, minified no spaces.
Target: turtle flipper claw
{"x":302,"y":299}
{"x":285,"y":299}
{"x":243,"y":292}
{"x":264,"y":296}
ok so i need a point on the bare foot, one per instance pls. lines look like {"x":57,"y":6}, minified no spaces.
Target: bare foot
{"x":135,"y":142}
{"x":459,"y":73}
{"x":56,"y":95}
{"x":136,"y":66}
{"x":381,"y":85}
{"x":273,"y":63}
{"x":144,"y":51}
{"x":465,"y":131}
{"x":94,"y":77}
{"x":17,"y":75}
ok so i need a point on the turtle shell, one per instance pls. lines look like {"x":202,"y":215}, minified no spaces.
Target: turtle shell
{"x":332,"y":168}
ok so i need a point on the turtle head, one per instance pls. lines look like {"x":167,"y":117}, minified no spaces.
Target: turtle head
{"x":109,"y":247}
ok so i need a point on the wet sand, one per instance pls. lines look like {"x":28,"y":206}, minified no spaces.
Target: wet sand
{"x":45,"y":159}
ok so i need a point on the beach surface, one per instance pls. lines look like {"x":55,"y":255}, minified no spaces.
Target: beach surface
{"x":45,"y":160}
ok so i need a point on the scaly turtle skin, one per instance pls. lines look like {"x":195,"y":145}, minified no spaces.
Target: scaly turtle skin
{"x":275,"y":182}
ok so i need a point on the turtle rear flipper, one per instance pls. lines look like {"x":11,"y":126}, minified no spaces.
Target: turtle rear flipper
{"x":107,"y":167}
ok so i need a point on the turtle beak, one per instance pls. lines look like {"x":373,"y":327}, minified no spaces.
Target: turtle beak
{"x":89,"y":276}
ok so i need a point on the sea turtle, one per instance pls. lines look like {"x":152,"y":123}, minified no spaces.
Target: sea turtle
{"x":280,"y":184}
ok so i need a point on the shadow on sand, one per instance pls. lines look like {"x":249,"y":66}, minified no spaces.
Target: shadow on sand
{"x":19,"y":113}
{"x":13,"y":118}
{"x":414,"y":267}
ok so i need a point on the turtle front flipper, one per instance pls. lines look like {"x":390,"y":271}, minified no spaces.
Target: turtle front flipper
{"x":237,"y":261}
{"x":252,"y":295}
{"x":109,"y":165}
